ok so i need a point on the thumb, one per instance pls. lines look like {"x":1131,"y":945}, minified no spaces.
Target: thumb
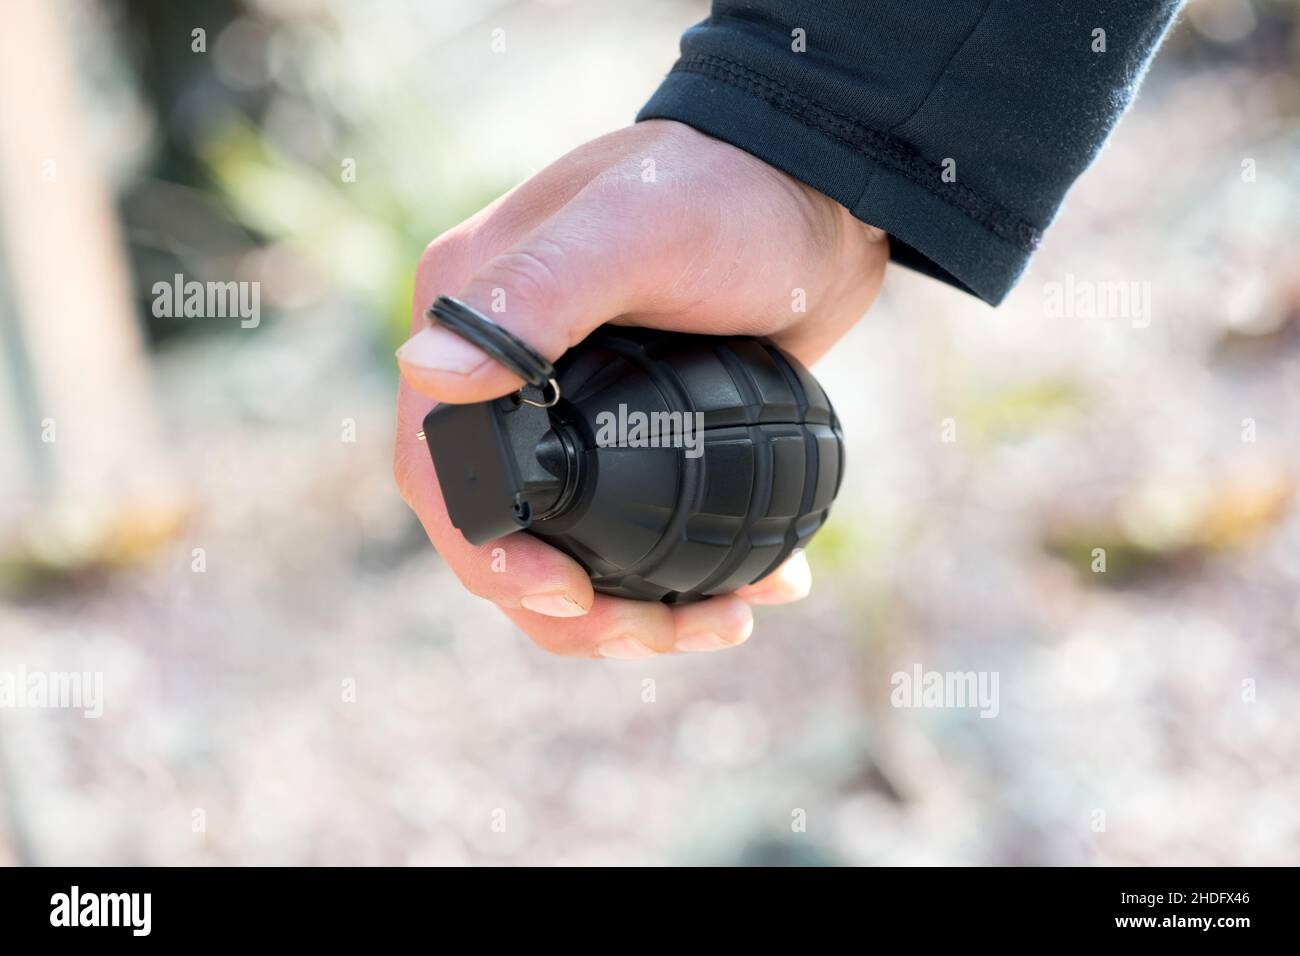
{"x":551,"y":289}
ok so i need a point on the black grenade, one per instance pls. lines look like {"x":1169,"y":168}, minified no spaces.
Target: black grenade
{"x":671,"y":466}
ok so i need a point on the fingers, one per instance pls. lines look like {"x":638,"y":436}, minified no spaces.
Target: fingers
{"x":586,"y":264}
{"x":712,"y":625}
{"x":732,"y":248}
{"x":790,"y":582}
{"x":614,"y":627}
{"x":622,"y":629}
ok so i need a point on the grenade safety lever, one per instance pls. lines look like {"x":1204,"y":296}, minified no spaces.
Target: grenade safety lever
{"x":499,"y":464}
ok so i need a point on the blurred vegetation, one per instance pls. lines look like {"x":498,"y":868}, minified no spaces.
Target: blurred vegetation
{"x":257,"y":169}
{"x":1171,"y":524}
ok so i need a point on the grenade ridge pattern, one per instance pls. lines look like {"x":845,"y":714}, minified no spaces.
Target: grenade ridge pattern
{"x":655,"y":524}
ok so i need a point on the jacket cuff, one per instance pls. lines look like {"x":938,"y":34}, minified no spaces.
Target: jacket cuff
{"x":942,"y":229}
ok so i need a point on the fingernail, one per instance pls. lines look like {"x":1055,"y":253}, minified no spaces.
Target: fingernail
{"x":440,"y":351}
{"x":701,"y":642}
{"x":625,"y":649}
{"x":553,"y":605}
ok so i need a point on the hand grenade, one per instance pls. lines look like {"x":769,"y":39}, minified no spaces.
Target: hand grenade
{"x":671,"y":466}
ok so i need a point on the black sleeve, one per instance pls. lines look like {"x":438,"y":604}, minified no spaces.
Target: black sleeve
{"x":871,"y":102}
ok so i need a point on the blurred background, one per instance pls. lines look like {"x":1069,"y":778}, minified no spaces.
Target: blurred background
{"x":204,"y":511}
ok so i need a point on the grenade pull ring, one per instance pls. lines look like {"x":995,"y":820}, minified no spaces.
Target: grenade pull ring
{"x":553,"y":385}
{"x":511,"y":351}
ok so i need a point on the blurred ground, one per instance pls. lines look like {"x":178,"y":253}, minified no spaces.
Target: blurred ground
{"x":227,"y":691}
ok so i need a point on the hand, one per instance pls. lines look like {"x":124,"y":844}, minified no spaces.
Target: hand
{"x":654,"y":225}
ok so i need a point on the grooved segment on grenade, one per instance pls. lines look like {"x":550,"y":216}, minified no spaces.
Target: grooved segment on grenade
{"x":829,"y":464}
{"x":789,"y":468}
{"x":593,"y":372}
{"x":808,"y":482}
{"x":814,"y":406}
{"x":636,"y":497}
{"x":721,"y":580}
{"x":596,"y":565}
{"x":728,"y":473}
{"x":755,"y":561}
{"x":664,"y":390}
{"x":717,"y":531}
{"x":768,"y":532}
{"x":807,"y":526}
{"x":693,"y":562}
{"x":710,"y":385}
{"x":632,"y":587}
{"x":776,"y":401}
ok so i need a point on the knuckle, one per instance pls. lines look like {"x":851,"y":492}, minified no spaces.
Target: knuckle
{"x":531,"y":273}
{"x":441,"y":264}
{"x":437,"y":252}
{"x":534,"y":288}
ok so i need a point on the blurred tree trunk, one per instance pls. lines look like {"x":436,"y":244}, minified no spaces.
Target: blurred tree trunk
{"x":97,"y":485}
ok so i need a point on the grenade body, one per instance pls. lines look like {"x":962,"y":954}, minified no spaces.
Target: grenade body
{"x":737,"y":464}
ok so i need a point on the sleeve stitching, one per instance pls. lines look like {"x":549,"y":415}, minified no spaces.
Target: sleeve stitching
{"x":882,"y":148}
